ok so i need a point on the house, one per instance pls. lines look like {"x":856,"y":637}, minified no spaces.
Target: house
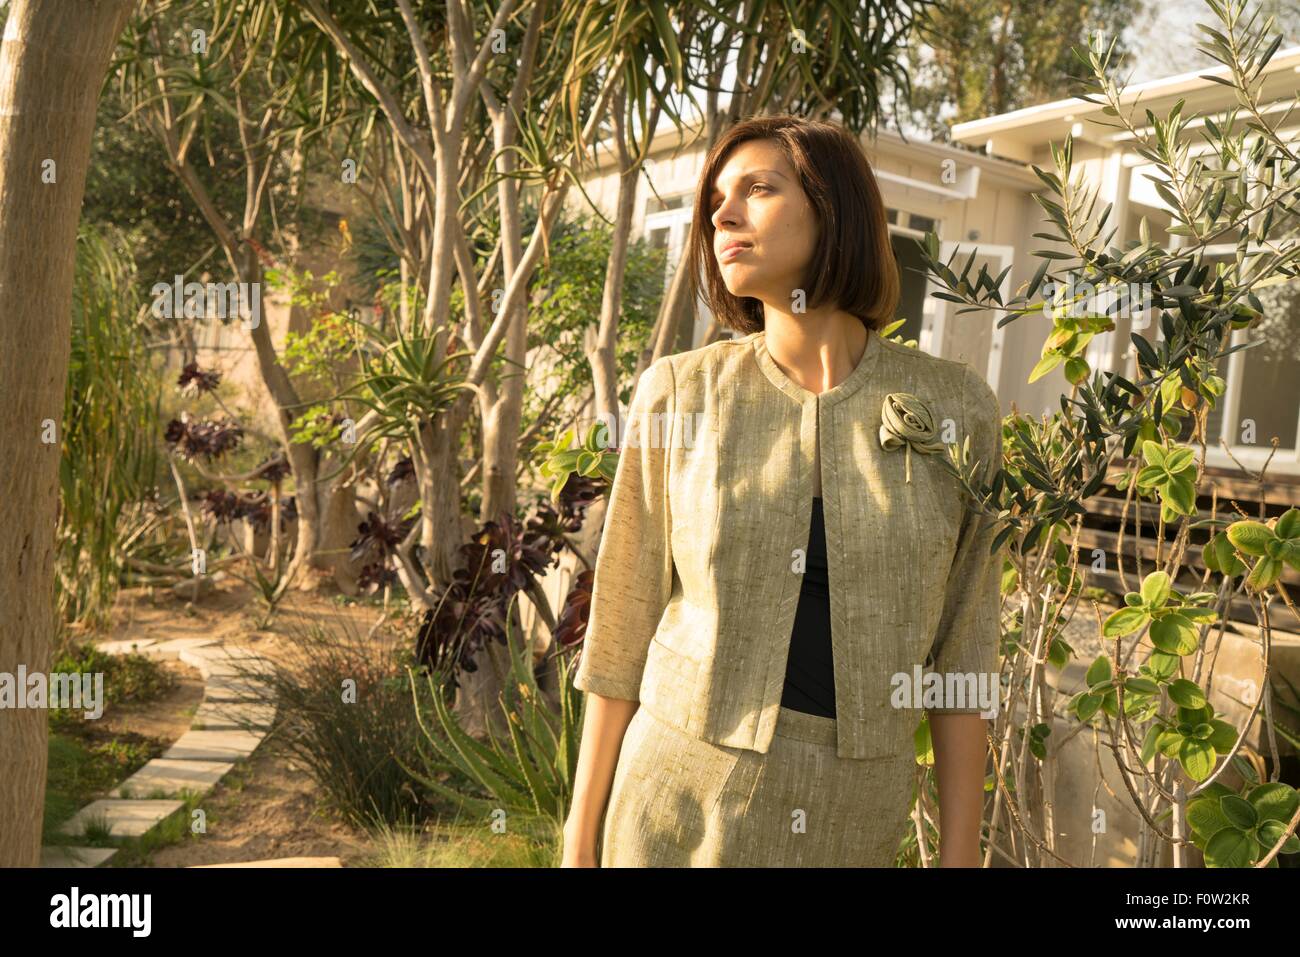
{"x":983,"y":201}
{"x":977,"y":195}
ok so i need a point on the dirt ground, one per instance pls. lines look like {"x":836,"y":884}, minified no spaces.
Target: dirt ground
{"x":266,"y":808}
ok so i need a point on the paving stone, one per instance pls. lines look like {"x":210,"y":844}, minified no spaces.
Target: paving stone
{"x":222,"y":652}
{"x":171,"y":776}
{"x":232,"y":715}
{"x":125,"y":647}
{"x":251,"y":669}
{"x":221,"y":688}
{"x":209,"y":657}
{"x":123,"y":818}
{"x":75,"y":856}
{"x":174,"y":647}
{"x":283,"y":862}
{"x":214,"y":745}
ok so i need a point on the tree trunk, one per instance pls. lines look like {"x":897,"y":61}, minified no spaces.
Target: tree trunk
{"x":53,"y":58}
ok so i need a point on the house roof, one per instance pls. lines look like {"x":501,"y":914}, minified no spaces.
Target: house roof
{"x":669,"y":139}
{"x":1019,"y":133}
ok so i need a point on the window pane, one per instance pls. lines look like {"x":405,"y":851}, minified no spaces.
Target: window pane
{"x":922,"y":224}
{"x":1270,"y":383}
{"x":911,"y":274}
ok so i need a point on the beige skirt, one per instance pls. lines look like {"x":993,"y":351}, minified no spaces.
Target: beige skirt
{"x":678,"y":801}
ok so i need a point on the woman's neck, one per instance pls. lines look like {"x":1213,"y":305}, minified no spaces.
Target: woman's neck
{"x":817,"y":351}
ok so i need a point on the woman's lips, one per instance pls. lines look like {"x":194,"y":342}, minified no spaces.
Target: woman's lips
{"x":731,"y":252}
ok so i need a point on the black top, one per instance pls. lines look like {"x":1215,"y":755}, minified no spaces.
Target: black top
{"x":809,"y":670}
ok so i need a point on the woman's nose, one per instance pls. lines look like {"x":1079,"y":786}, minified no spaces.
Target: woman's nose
{"x":725,"y":216}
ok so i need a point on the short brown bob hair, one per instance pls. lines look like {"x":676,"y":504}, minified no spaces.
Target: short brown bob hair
{"x":853,"y":263}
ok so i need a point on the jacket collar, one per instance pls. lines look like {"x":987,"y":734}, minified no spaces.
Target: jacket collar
{"x":798,"y":393}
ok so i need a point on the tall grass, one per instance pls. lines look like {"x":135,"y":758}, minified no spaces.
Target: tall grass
{"x":110,"y":426}
{"x":344,"y":714}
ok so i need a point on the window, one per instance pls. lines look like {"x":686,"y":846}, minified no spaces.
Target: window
{"x":1261,"y":398}
{"x":656,"y":204}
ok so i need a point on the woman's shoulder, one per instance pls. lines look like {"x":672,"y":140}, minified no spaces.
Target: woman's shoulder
{"x":713,"y":359}
{"x":940,"y":377}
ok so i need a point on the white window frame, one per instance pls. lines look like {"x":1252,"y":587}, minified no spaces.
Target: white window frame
{"x":1286,"y":461}
{"x":678,"y":223}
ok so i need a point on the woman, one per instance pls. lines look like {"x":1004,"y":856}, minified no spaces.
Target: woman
{"x":785,"y":541}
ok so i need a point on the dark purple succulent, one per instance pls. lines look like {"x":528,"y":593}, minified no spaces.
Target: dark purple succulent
{"x":221,"y":505}
{"x":195,"y":381}
{"x":275,"y":469}
{"x":375,"y":576}
{"x":403,"y":471}
{"x":378,"y":538}
{"x":199,"y":437}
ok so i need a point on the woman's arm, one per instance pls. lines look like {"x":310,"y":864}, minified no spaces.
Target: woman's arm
{"x":603,"y":728}
{"x":960,"y":751}
{"x":967,"y":645}
{"x":631,"y":588}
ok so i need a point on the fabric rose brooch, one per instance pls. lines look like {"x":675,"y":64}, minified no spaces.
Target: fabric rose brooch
{"x":908,"y":422}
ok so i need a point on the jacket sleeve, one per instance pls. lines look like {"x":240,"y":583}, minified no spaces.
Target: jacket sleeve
{"x":969,"y":630}
{"x":634,"y":568}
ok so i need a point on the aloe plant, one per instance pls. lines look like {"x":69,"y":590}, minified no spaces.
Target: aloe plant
{"x":532,"y":771}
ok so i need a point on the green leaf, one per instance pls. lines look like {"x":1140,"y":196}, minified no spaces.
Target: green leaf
{"x":1174,"y":634}
{"x":1098,"y":673}
{"x":1155,"y":589}
{"x":1250,"y":537}
{"x":1162,"y":664}
{"x":1205,"y":817}
{"x":1274,"y":802}
{"x":1288,"y":524}
{"x":1124,"y":622}
{"x":1140,"y":686}
{"x":1153,"y":453}
{"x":1150,"y":476}
{"x":1197,"y":758}
{"x":1180,"y":494}
{"x":1169,"y":742}
{"x":1239,"y":812}
{"x":1197,"y":615}
{"x":1186,"y":694}
{"x":1044,"y":366}
{"x":1221,"y":557}
{"x":1270,"y":832}
{"x":1224,"y":736}
{"x":1230,"y":848}
{"x":1179,"y":459}
{"x":1086,"y":705}
{"x":1265,"y":573}
{"x":1291,"y":554}
{"x":1149,"y":743}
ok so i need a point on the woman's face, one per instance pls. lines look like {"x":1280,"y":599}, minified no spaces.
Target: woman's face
{"x":757,"y":201}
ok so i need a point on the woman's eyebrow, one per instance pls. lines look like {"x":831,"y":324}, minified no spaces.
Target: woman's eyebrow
{"x":750,"y":174}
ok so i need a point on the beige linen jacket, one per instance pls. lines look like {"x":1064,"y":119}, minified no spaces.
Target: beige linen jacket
{"x":698,"y":574}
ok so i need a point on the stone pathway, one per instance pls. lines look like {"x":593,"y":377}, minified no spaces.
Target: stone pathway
{"x":219,"y":736}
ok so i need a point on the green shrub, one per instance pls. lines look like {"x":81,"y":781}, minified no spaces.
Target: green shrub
{"x":531,"y":774}
{"x":344,"y":712}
